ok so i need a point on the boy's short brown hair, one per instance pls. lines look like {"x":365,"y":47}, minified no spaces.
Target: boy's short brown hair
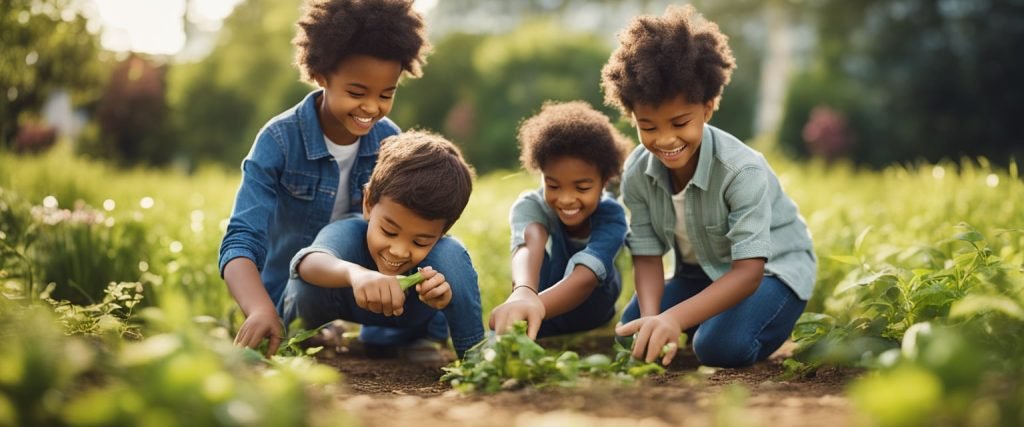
{"x":332,"y":30}
{"x":573,"y":129}
{"x":425,"y":173}
{"x":662,"y":57}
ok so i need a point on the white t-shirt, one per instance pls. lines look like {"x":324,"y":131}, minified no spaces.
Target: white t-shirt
{"x":683,"y":244}
{"x":345,"y":155}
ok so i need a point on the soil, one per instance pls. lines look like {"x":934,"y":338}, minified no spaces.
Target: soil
{"x":393,"y":392}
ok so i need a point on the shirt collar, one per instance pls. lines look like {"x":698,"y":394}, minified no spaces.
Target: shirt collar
{"x":660,"y":175}
{"x":309,"y":125}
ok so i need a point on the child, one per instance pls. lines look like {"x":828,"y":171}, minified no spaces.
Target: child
{"x":418,"y":190}
{"x":565,"y":235}
{"x":744,"y":260}
{"x":309,"y":164}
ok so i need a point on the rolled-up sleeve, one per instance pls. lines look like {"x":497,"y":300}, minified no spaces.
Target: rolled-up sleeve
{"x":246,"y":234}
{"x":526,"y":210}
{"x":642,"y":238}
{"x":608,"y":233}
{"x":750,"y":216}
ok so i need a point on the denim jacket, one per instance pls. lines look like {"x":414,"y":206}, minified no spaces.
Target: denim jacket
{"x":289,"y":181}
{"x":607,"y":232}
{"x":735,"y":208}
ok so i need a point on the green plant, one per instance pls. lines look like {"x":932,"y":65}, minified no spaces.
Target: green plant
{"x":512,"y":360}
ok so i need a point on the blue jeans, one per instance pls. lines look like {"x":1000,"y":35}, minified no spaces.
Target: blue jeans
{"x":742,"y":335}
{"x":347,"y":240}
{"x":595,"y":311}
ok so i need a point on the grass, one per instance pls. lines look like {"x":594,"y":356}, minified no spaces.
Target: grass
{"x":911,"y":229}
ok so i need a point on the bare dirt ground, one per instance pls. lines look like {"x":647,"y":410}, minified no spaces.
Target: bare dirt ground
{"x":393,"y":392}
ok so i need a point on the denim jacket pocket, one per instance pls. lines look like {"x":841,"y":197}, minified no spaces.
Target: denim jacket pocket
{"x":720,"y":244}
{"x":300,"y":185}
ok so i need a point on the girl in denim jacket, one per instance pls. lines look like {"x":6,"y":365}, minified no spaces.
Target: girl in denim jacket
{"x":566,"y":234}
{"x":309,"y":164}
{"x":744,"y":262}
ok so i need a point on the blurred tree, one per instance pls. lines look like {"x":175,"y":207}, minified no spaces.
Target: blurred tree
{"x":221,"y":102}
{"x":132,"y":115}
{"x":46,"y":46}
{"x":449,"y":80}
{"x":918,"y":79}
{"x":518,"y":72}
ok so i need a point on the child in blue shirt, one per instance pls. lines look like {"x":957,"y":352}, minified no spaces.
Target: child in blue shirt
{"x":417,"y":192}
{"x":745,"y":265}
{"x":308,"y":165}
{"x":566,"y":234}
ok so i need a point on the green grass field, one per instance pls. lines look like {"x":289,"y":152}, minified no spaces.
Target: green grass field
{"x":939,"y":243}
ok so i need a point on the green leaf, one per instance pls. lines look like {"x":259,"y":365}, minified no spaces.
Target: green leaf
{"x":857,"y":244}
{"x":846,"y":259}
{"x":969,"y":236}
{"x":972,"y":305}
{"x":409,"y":281}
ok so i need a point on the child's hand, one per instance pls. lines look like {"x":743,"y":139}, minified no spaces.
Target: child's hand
{"x":523,"y":304}
{"x":653,"y":333}
{"x":434,"y":290}
{"x":258,"y":325}
{"x":378,"y":293}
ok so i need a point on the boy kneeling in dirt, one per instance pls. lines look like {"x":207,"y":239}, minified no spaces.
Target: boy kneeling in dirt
{"x":416,"y":193}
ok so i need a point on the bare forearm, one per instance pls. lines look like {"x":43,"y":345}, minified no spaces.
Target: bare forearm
{"x":735,"y":286}
{"x":649,"y":276}
{"x":245,"y":285}
{"x":527,"y":260}
{"x":324,"y":270}
{"x":569,"y":293}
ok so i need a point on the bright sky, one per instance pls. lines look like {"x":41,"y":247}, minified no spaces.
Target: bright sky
{"x":157,"y":26}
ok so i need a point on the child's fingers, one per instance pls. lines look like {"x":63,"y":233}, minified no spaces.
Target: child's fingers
{"x":242,"y":339}
{"x":397,"y":299}
{"x":437,"y":291}
{"x":654,"y":345}
{"x":673,"y":348}
{"x":533,"y":325}
{"x":360,"y":295}
{"x":275,"y":341}
{"x":629,"y":328}
{"x":640,"y":343}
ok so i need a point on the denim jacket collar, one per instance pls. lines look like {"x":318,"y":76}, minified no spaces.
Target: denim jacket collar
{"x":313,"y":134}
{"x":660,"y":174}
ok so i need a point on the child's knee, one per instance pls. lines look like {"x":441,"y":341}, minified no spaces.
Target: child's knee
{"x":450,"y":258}
{"x":725,"y":351}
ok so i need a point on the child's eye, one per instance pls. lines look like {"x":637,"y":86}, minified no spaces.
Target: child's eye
{"x":422,"y":245}
{"x":388,"y":233}
{"x":679,"y":125}
{"x":387,"y":96}
{"x":583,"y":190}
{"x":355,"y":94}
{"x":647,"y":129}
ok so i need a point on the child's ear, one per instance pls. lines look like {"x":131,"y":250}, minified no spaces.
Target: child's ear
{"x":320,"y":80}
{"x":709,"y":110}
{"x":367,"y":207}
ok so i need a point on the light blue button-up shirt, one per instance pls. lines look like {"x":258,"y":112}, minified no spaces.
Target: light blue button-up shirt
{"x":734,"y":209}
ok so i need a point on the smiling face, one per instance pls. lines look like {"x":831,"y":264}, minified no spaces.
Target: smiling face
{"x":356,"y":95}
{"x":398,"y":238}
{"x":672,"y":131}
{"x":572,"y":187}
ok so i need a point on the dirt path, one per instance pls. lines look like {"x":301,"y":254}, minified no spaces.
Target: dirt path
{"x":390,"y":392}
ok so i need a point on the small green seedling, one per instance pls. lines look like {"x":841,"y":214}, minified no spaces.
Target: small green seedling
{"x":409,"y":281}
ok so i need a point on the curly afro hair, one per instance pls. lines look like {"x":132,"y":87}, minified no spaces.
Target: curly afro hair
{"x":660,"y":58}
{"x":572,"y":129}
{"x":332,"y":30}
